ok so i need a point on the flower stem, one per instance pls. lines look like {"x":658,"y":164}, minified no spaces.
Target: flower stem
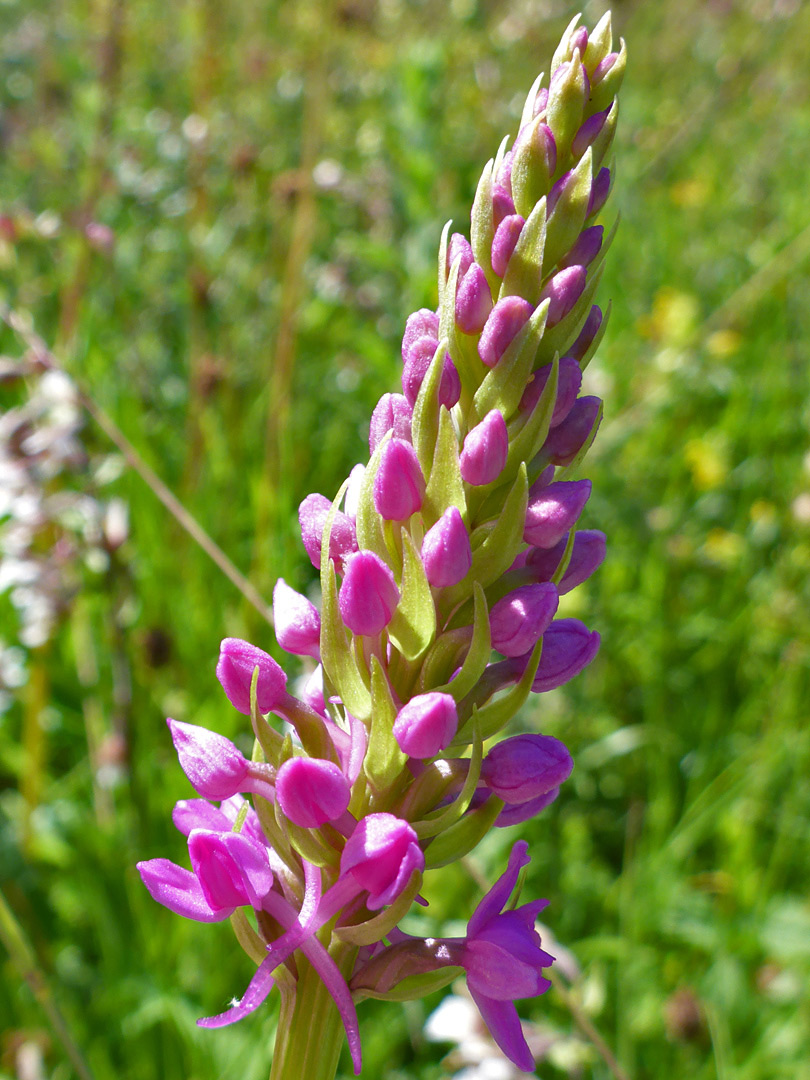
{"x":310,"y":1033}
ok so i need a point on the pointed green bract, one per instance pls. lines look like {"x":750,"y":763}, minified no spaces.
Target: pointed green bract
{"x":524,"y":271}
{"x":445,"y":487}
{"x":413,"y":626}
{"x":384,"y":761}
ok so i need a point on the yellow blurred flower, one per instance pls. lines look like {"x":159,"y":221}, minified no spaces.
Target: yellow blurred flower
{"x":708,"y":462}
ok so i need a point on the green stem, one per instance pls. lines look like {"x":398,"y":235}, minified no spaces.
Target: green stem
{"x":310,"y":1033}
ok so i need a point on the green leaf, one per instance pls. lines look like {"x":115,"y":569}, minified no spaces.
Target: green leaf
{"x":370,"y":536}
{"x":564,"y":112}
{"x":269,"y":739}
{"x":531,"y":179}
{"x":601,"y":145}
{"x":603,"y":93}
{"x":497,"y":713}
{"x":503,"y":386}
{"x":559,"y":573}
{"x":525,"y":444}
{"x":528,"y":108}
{"x":482,"y":226}
{"x":441,"y":820}
{"x":445,"y":487}
{"x":497,"y":553}
{"x":338,"y":662}
{"x":572,"y":466}
{"x":462,"y":837}
{"x":414,"y":986}
{"x":600,"y":333}
{"x":568,"y":219}
{"x":384,"y":761}
{"x":563,"y":50}
{"x":479,"y":652}
{"x":425,"y":421}
{"x":443,"y":260}
{"x":247,"y":936}
{"x":310,"y":845}
{"x":413,"y":626}
{"x":600,"y":43}
{"x":524,"y":271}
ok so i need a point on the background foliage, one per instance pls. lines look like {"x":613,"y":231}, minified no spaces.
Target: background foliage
{"x":276,"y":177}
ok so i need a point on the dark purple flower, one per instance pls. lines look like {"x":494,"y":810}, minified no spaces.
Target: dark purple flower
{"x":503,"y":960}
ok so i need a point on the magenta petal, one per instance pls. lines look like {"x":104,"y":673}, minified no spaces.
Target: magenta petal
{"x":191,"y":814}
{"x":498,"y":896}
{"x":258,"y":988}
{"x":179,"y":891}
{"x":504,"y":1025}
{"x":340,"y":993}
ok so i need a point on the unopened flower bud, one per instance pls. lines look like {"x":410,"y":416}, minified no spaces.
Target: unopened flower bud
{"x":473,"y":301}
{"x":603,"y":67}
{"x":569,"y":380}
{"x":587,"y":555}
{"x":381,"y":854}
{"x":399,"y":486}
{"x":563,"y":290}
{"x":568,"y":647}
{"x":237,"y":661}
{"x":212,"y":763}
{"x":420,"y":357}
{"x":391,"y":413}
{"x":587,"y":333}
{"x":368,"y":594}
{"x":525,"y":766}
{"x":297,"y":622}
{"x":312,"y":515}
{"x":540,"y":102}
{"x":485,"y":449}
{"x":508,"y":316}
{"x":503,"y":244}
{"x":516,"y":815}
{"x":426,"y":725}
{"x":504,"y":177}
{"x":311,"y":791}
{"x":579,"y":40}
{"x":599,"y":192}
{"x":552,"y":511}
{"x":588,"y":132}
{"x":565,"y":441}
{"x":446,"y":554}
{"x":422,"y":323}
{"x":459,"y":247}
{"x":521,"y":617}
{"x":585,"y":249}
{"x":502,"y":204}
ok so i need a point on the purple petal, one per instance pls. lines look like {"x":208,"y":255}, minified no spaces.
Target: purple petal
{"x":258,"y":988}
{"x":179,"y":891}
{"x":504,"y":1025}
{"x":191,"y":814}
{"x":498,"y":896}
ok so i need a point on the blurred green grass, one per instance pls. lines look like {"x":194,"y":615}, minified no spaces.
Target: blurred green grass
{"x":276,"y":179}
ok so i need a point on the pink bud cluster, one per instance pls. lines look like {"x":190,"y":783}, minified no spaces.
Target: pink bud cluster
{"x":442,"y":563}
